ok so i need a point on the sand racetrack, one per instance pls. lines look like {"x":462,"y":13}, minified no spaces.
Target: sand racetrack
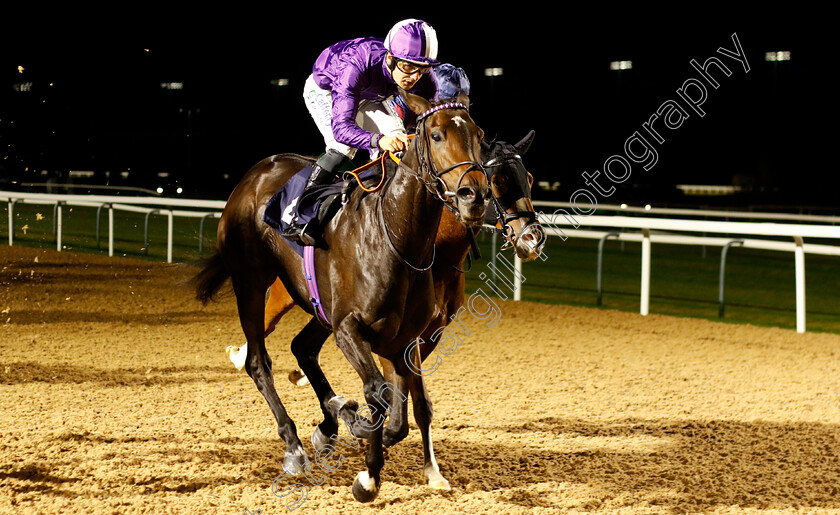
{"x":117,"y":397}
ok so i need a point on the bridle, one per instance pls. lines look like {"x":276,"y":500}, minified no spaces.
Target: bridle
{"x":427,"y":166}
{"x":519,"y":188}
{"x":434,"y":183}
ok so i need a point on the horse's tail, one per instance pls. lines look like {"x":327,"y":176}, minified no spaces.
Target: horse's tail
{"x":211,"y":278}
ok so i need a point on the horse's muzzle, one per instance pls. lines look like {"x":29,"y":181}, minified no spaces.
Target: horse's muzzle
{"x":529,"y":242}
{"x":472,"y":202}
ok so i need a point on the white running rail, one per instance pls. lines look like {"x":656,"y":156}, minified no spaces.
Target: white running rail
{"x":193,"y":208}
{"x":647,"y":229}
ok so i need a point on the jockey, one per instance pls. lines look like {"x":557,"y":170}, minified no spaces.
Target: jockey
{"x":353,"y":97}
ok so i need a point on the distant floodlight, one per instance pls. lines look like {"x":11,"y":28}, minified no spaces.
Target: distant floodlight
{"x":777,"y":56}
{"x":280,"y":82}
{"x":621,"y":65}
{"x":647,"y":207}
{"x":159,"y":189}
{"x":493,"y":72}
{"x":171,"y":85}
{"x":623,"y":206}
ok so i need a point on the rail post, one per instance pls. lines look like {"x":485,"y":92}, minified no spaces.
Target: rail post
{"x":57,"y":224}
{"x":12,"y":221}
{"x":110,"y":230}
{"x":201,"y":231}
{"x":600,"y":261}
{"x":799,"y":253}
{"x":645,"y":293}
{"x":98,"y":231}
{"x":721,"y":305}
{"x":170,"y":234}
{"x":146,"y":231}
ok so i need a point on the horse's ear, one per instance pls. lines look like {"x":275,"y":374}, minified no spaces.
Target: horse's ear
{"x":417,"y":104}
{"x":464,"y":99}
{"x":523,"y":146}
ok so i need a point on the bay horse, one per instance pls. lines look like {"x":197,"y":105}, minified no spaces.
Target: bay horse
{"x":510,"y":185}
{"x":374,"y":281}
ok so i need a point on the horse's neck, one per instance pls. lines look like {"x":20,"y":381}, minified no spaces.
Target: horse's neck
{"x":452,"y":238}
{"x":412,"y":210}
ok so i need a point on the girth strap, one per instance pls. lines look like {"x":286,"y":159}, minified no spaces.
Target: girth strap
{"x":312,"y":285}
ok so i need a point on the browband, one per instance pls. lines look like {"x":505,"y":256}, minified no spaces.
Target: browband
{"x":448,"y":105}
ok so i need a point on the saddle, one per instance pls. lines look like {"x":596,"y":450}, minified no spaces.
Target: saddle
{"x":318,"y":207}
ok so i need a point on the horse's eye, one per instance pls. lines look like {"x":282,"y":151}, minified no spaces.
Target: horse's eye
{"x":499,"y":180}
{"x":499,"y":183}
{"x":437,"y":137}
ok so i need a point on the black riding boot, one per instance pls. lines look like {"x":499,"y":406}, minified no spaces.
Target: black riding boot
{"x":323,"y":172}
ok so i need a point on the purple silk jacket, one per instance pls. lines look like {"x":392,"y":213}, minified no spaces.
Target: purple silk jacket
{"x":355,"y":70}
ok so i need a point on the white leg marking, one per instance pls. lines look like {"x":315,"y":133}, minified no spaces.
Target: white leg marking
{"x":237,"y":355}
{"x":366,"y":481}
{"x":432,"y":471}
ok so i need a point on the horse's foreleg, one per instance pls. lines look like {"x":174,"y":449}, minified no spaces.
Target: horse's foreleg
{"x":378,"y":395}
{"x":250,"y":301}
{"x":397,"y":427}
{"x":422,"y":404}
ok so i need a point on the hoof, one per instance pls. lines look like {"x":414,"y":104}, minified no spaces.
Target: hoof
{"x":298,"y":378}
{"x":365,"y":488}
{"x":436,"y":480}
{"x":343,"y":407}
{"x":319,"y":439}
{"x":295,"y":464}
{"x":440,"y":484}
{"x":339,"y":402}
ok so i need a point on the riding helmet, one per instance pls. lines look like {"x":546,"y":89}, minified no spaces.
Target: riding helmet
{"x":414,"y":41}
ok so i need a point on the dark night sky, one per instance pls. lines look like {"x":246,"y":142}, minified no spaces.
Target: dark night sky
{"x":106,"y":110}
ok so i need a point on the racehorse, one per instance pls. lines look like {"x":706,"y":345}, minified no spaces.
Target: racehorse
{"x":374,"y":284}
{"x":510,"y":184}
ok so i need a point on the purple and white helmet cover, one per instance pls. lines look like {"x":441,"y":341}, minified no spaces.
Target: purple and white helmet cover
{"x":413,"y":40}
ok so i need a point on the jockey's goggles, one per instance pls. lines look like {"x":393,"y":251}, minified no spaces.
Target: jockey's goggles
{"x":409,"y":68}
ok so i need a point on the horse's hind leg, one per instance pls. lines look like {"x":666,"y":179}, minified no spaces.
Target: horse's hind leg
{"x":306,"y":347}
{"x":250,"y":301}
{"x":279,"y":303}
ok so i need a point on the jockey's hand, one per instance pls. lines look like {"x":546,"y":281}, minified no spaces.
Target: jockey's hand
{"x":395,"y":143}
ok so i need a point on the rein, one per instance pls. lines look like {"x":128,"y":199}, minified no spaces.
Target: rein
{"x":381,"y":161}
